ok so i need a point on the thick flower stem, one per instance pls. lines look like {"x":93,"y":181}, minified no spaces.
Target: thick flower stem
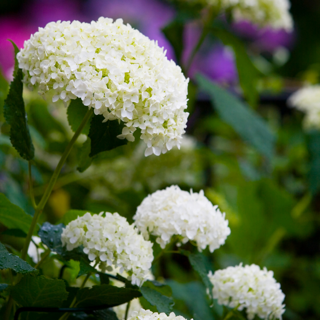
{"x":31,"y":187}
{"x":127,"y":311}
{"x":52,"y":182}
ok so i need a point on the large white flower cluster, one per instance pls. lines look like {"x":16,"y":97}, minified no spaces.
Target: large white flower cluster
{"x":308,"y":100}
{"x":272,"y":13}
{"x":191,"y":216}
{"x":114,"y":69}
{"x":251,"y":288}
{"x":112,"y":240}
{"x":149,"y":315}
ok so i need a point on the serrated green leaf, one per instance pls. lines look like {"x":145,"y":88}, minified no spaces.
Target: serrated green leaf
{"x":15,"y":115}
{"x":12,"y":216}
{"x":248,"y":74}
{"x":103,"y":135}
{"x":155,"y":298}
{"x":198,"y":264}
{"x":76,"y":112}
{"x":10,"y":261}
{"x":248,"y":124}
{"x":84,"y":156}
{"x":174,"y":34}
{"x":105,"y":294}
{"x":39,"y":292}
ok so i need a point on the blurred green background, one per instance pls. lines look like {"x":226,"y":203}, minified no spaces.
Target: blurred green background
{"x":272,"y":202}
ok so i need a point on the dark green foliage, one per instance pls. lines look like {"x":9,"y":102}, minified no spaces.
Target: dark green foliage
{"x":103,"y":135}
{"x":155,"y":298}
{"x":10,"y":261}
{"x":72,"y":215}
{"x":14,"y":232}
{"x":84,"y":156}
{"x":197,"y":261}
{"x":174,"y":34}
{"x":12,"y":216}
{"x":247,"y":72}
{"x":76,"y":112}
{"x":39,"y":292}
{"x":105,"y":294}
{"x":314,"y":150}
{"x":248,"y":124}
{"x":15,"y":115}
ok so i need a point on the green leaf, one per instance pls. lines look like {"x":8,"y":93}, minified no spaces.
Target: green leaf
{"x":106,"y":314}
{"x":314,"y":151}
{"x":76,"y":112}
{"x":248,"y":124}
{"x":248,"y":74}
{"x":155,"y":298}
{"x":15,"y":233}
{"x":71,"y":215}
{"x":85,"y":268}
{"x":174,"y":34}
{"x":15,"y":115}
{"x":84,"y":156}
{"x":10,"y":261}
{"x":3,"y":286}
{"x":198,"y":264}
{"x":103,"y":135}
{"x":12,"y":216}
{"x":105,"y":294}
{"x":39,"y":292}
{"x":158,"y":286}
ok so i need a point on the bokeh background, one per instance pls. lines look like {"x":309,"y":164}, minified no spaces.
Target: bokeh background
{"x":273,"y":204}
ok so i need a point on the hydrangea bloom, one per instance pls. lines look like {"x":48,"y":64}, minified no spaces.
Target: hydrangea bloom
{"x":149,"y":315}
{"x":114,"y":69}
{"x":110,"y":239}
{"x":251,"y":288}
{"x":308,"y":100}
{"x":273,"y":13}
{"x":190,"y":215}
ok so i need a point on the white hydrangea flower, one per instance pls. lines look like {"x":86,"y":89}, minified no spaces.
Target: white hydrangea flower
{"x":251,"y":288}
{"x":112,"y":240}
{"x":114,"y":69}
{"x":149,"y":315}
{"x":308,"y":100}
{"x":272,"y":13}
{"x":191,"y":215}
{"x":120,"y":311}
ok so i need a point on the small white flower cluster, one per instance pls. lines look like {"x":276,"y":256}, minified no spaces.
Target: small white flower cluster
{"x":192,"y":216}
{"x":272,"y":13}
{"x":112,"y":240}
{"x":149,"y":315}
{"x":114,"y":69}
{"x":251,"y":288}
{"x":308,"y":100}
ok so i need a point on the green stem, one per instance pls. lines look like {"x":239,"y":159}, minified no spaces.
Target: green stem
{"x":228,"y":315}
{"x":44,"y":257}
{"x":52,"y":181}
{"x":31,"y":187}
{"x":213,"y":12}
{"x":127,"y":311}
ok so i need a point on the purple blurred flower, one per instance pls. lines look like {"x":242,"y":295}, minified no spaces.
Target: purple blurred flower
{"x":265,"y":39}
{"x":148,"y":16}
